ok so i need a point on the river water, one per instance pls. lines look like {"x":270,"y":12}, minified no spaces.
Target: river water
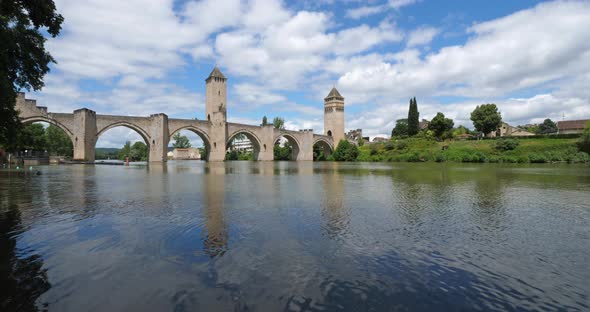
{"x":288,"y":236}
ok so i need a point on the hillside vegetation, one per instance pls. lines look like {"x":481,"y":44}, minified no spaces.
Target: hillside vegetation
{"x":537,"y":150}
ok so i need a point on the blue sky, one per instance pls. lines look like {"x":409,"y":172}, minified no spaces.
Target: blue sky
{"x":532,"y":58}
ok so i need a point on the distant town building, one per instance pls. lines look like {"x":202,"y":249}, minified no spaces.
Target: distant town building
{"x":354,"y":136}
{"x":506,"y":130}
{"x":380,"y":139}
{"x":241,"y":145}
{"x":571,"y":126}
{"x":423,"y":125}
{"x":191,"y":153}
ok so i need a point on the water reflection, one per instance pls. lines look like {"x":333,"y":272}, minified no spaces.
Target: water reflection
{"x":22,"y":276}
{"x":215,"y":232}
{"x":267,"y":236}
{"x":335,"y":214}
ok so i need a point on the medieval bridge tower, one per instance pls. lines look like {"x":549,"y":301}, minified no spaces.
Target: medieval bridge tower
{"x":334,"y":116}
{"x":216,"y":112}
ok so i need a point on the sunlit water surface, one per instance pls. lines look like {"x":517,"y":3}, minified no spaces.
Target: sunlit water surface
{"x":264,"y":236}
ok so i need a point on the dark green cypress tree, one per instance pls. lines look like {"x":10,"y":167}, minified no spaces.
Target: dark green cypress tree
{"x":413,"y":118}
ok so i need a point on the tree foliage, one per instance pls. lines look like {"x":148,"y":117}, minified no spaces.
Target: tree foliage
{"x":318,"y":153}
{"x":486,"y":118}
{"x":346,"y":151}
{"x":31,"y":137}
{"x":278,"y":123}
{"x":548,"y":126}
{"x":505,"y":144}
{"x":584,"y":142}
{"x":180,"y":141}
{"x":284,"y":152}
{"x":413,"y":118}
{"x":38,"y":138}
{"x":136,"y":152}
{"x":401,"y":128}
{"x":461,"y":130}
{"x":23,"y":59}
{"x":264,"y":121}
{"x":440,"y":125}
{"x":58,"y":142}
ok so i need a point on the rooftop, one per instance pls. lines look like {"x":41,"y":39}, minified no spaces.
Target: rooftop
{"x":334,"y":94}
{"x":216,"y":73}
{"x":572,"y":124}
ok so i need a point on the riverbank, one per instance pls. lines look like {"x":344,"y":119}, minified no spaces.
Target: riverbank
{"x":538,"y":150}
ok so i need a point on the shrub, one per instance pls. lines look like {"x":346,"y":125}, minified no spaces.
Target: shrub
{"x":373,"y":149}
{"x":401,"y":145}
{"x":505,"y":144}
{"x":389,"y":146}
{"x":346,"y":151}
{"x":413,"y":157}
{"x":440,"y":157}
{"x":537,"y":158}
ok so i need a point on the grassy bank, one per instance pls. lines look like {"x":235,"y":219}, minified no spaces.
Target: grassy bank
{"x":538,"y":150}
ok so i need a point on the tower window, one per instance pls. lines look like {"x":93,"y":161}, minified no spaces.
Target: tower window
{"x":329,"y":132}
{"x":218,"y":92}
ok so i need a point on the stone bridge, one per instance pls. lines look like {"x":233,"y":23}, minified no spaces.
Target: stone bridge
{"x":84,"y":127}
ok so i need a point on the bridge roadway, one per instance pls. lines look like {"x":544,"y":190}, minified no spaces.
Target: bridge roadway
{"x":84,"y":127}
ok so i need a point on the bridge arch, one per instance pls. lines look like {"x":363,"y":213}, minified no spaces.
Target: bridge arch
{"x":126,"y":124}
{"x":256,"y":142}
{"x":295,"y":144}
{"x":201,"y":133}
{"x":324,"y":146}
{"x":142,"y":133}
{"x":49,"y":121}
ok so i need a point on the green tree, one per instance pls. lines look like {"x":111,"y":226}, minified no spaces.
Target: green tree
{"x":346,"y":151}
{"x":486,"y":118}
{"x":283,"y":152}
{"x":125,"y":151}
{"x":23,"y":59}
{"x":360,"y":141}
{"x":584,"y":142}
{"x":180,"y":141}
{"x":401,"y":128}
{"x":548,"y":126}
{"x":31,"y":137}
{"x":139,"y":152}
{"x":264,"y":121}
{"x":318,"y":153}
{"x":58,"y":142}
{"x":440,"y":125}
{"x":413,"y":118}
{"x":461,"y":130}
{"x":278,"y":123}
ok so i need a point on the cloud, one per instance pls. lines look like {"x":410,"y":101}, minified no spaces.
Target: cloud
{"x":519,"y":51}
{"x":422,"y":36}
{"x":365,"y":11}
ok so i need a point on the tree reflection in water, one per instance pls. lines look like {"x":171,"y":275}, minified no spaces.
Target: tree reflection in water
{"x":22,"y":277}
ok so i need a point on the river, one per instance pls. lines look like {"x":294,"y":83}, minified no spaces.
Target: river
{"x":289,"y":236}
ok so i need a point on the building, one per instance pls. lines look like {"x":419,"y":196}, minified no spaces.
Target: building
{"x":507,"y":130}
{"x":354,"y":136}
{"x":334,"y":116}
{"x":241,"y":144}
{"x":571,"y":126}
{"x":380,"y":139}
{"x":423,"y":125}
{"x":191,"y":153}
